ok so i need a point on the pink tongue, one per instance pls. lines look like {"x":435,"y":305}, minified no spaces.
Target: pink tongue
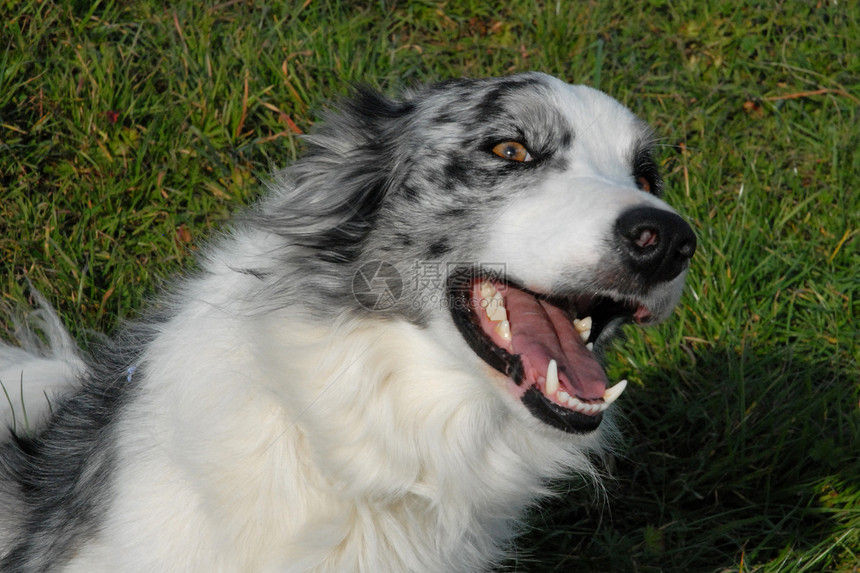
{"x":542,"y":332}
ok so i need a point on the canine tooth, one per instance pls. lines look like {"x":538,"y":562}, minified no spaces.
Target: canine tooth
{"x":583,"y":327}
{"x":551,"y":378}
{"x":503,"y":329}
{"x":612,"y":394}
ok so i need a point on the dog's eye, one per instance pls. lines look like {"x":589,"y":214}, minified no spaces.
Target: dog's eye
{"x":643,"y":184}
{"x":512,"y":151}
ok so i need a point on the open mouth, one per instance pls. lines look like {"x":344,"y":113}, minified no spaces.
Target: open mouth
{"x":543,"y":344}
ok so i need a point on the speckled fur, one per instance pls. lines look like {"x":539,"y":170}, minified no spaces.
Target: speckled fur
{"x":263,"y":420}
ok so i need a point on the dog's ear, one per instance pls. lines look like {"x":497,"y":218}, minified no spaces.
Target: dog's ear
{"x":329,"y":199}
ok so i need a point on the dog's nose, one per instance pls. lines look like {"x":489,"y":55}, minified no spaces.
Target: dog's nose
{"x":655,"y":244}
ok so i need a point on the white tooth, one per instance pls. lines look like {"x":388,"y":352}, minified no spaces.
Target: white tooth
{"x":490,"y":306}
{"x":487,"y":289}
{"x":583,"y":327}
{"x":551,"y":378}
{"x":496,"y":309}
{"x":503,"y":329}
{"x":590,"y":346}
{"x":612,"y":394}
{"x":563,"y":396}
{"x":582,"y":324}
{"x":499,"y":313}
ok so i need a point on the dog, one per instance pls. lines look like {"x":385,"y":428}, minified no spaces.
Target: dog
{"x":379,"y":366}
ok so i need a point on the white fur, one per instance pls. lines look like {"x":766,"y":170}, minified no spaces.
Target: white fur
{"x":30,"y":375}
{"x":263,"y":438}
{"x":303,"y":447}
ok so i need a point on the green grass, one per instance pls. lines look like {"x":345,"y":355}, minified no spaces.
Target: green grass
{"x":129,"y":131}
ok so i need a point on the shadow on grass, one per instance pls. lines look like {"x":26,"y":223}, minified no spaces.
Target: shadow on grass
{"x":742,"y":459}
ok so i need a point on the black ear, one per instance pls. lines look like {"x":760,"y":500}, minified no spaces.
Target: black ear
{"x":330,"y":198}
{"x":373,"y":110}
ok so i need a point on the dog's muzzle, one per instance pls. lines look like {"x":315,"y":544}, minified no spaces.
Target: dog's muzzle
{"x":543,"y":342}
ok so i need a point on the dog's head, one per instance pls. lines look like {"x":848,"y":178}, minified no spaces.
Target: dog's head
{"x":519,"y":218}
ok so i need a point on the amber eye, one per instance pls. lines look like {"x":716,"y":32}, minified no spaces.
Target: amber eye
{"x":513,"y":151}
{"x":643,"y":184}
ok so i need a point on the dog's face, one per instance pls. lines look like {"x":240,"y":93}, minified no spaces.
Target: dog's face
{"x":523,"y":215}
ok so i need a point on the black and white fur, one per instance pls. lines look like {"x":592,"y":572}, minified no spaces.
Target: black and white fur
{"x":262,"y":417}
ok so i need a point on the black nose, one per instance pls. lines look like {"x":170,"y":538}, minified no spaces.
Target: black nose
{"x":655,"y":244}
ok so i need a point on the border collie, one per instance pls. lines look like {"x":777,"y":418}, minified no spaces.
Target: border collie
{"x":378,"y":367}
